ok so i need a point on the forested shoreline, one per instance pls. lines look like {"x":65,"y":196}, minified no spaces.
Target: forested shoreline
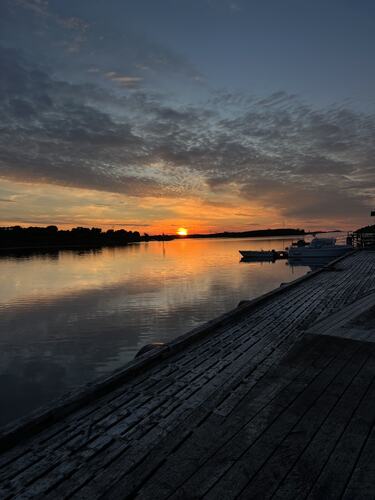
{"x":52,"y":236}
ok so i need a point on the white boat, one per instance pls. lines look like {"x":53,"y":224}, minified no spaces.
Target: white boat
{"x":319,"y":247}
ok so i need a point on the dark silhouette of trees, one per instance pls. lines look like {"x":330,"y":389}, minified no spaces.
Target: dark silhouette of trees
{"x":258,"y":233}
{"x":36,"y":237}
{"x":51,"y":236}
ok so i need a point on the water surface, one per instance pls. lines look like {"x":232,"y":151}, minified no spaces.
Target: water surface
{"x":69,"y":317}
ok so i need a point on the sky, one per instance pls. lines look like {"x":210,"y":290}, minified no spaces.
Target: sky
{"x":208,"y":114}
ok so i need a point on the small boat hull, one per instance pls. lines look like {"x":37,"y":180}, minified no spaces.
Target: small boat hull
{"x":246,"y":254}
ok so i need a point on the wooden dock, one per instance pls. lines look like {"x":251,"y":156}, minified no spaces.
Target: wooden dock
{"x":274,"y":399}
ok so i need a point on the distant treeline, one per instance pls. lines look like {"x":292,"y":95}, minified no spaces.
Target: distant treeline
{"x":253,"y":234}
{"x":36,"y":237}
{"x":52,"y":236}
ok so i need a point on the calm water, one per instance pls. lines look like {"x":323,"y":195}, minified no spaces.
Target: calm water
{"x":71,"y":316}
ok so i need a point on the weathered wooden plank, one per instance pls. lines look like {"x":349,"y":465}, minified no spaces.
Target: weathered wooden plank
{"x":146,"y":425}
{"x":362,"y":482}
{"x":206,"y":428}
{"x":268,"y":478}
{"x":337,"y":471}
{"x":305,"y":471}
{"x":340,"y":318}
{"x":244,"y":455}
{"x":236,"y":432}
{"x":67,"y":437}
{"x":355,"y":270}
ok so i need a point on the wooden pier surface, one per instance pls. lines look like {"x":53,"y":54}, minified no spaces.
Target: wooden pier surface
{"x":275,"y":400}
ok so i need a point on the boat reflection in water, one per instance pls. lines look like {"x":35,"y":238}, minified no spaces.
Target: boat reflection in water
{"x":257,"y":260}
{"x":313,"y":263}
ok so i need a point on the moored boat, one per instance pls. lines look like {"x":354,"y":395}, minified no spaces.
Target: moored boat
{"x":266,"y":254}
{"x":263,"y":255}
{"x":319,"y":247}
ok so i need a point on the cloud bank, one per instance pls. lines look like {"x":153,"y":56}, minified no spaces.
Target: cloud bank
{"x":278,"y":151}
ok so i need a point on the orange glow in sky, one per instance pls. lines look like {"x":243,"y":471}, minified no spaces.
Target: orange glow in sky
{"x":38,"y":204}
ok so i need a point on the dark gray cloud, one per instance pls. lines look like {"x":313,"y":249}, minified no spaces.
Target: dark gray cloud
{"x":91,"y":41}
{"x":277,"y":150}
{"x":308,"y":200}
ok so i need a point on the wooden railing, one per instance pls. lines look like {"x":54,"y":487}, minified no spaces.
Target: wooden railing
{"x":364,"y":240}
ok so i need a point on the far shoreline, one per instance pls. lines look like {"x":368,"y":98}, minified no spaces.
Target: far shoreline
{"x":266,"y":234}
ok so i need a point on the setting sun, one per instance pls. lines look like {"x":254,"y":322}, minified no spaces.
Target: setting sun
{"x":181,"y":231}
